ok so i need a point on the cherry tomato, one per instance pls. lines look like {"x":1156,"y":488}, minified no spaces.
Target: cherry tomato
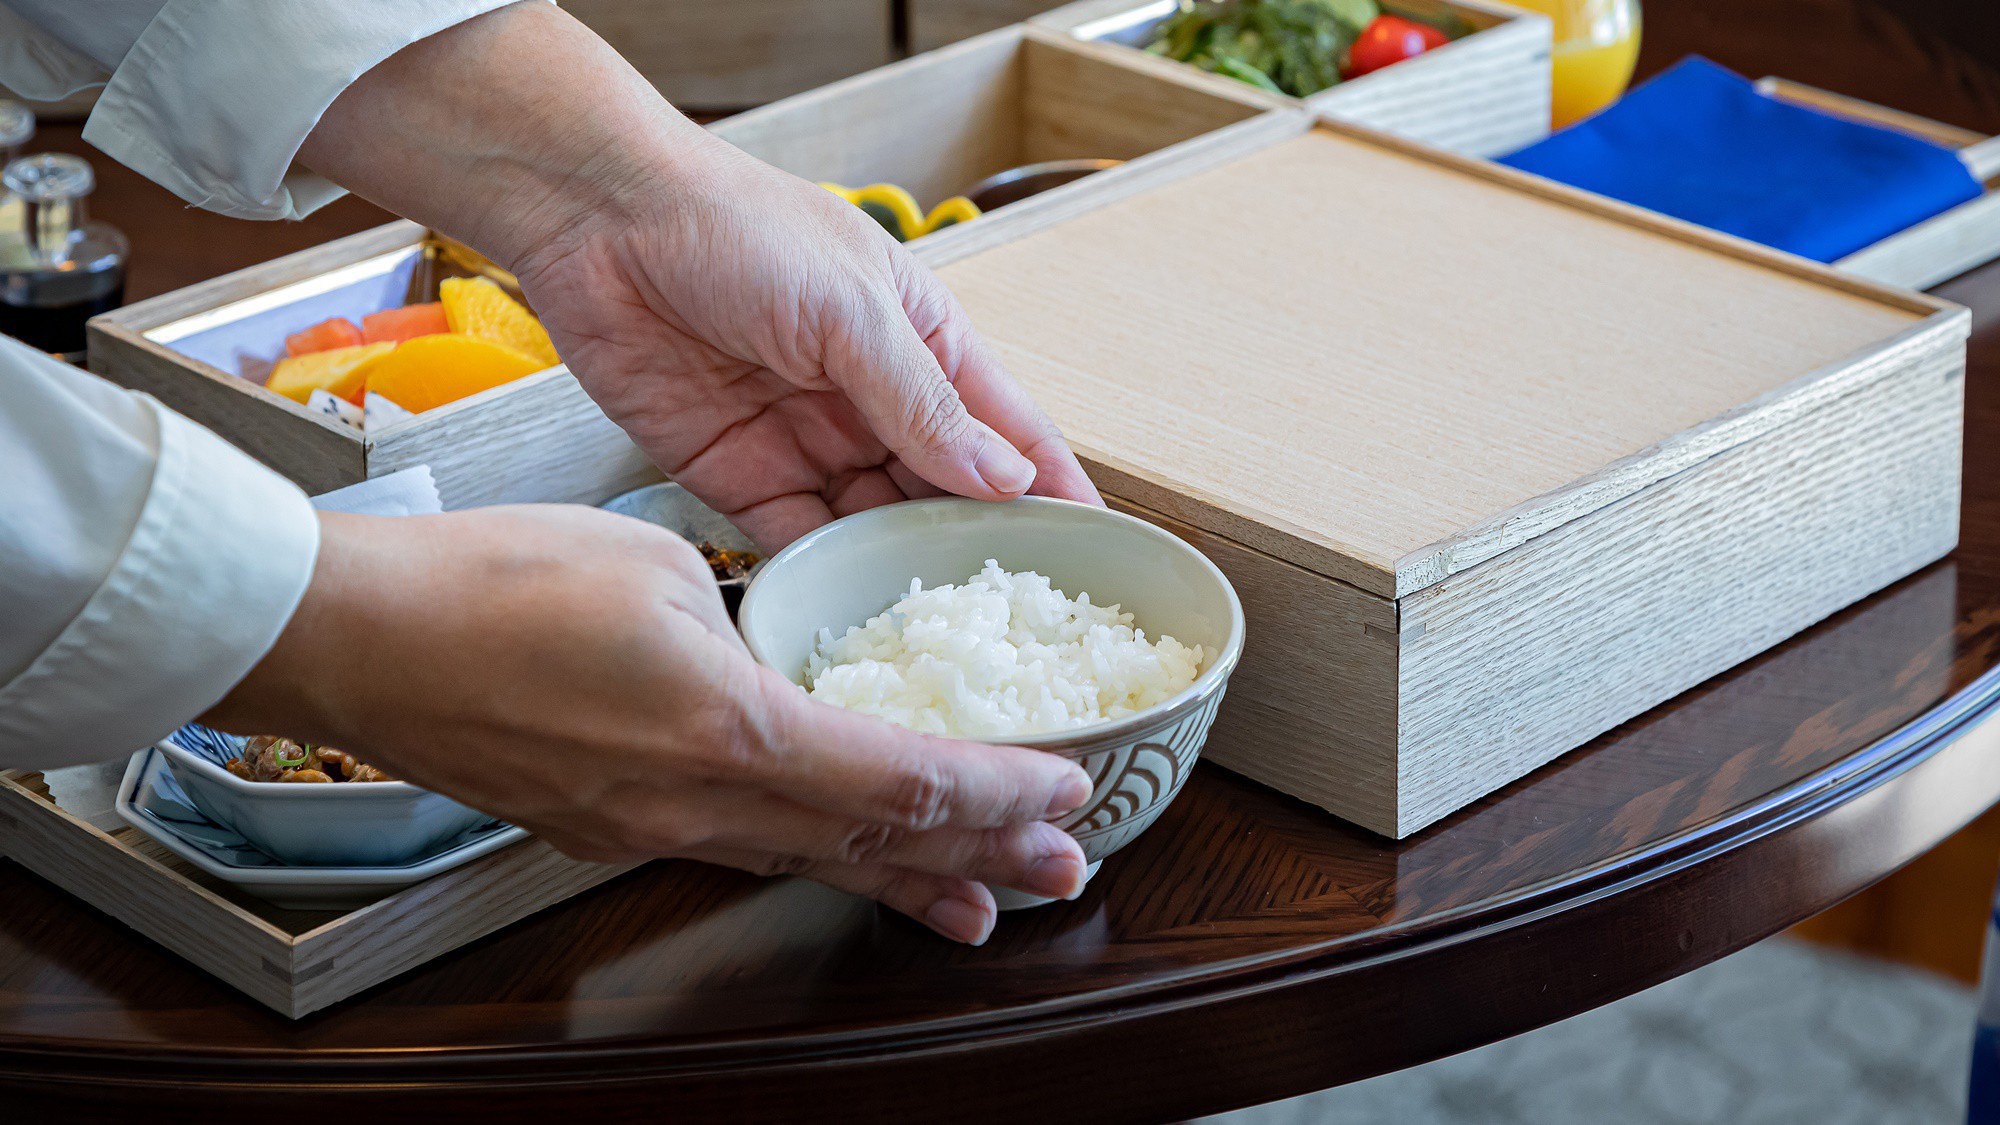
{"x":1390,"y":39}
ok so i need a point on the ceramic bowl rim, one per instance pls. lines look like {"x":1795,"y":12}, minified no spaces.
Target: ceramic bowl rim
{"x":1088,"y":738}
{"x":372,"y":790}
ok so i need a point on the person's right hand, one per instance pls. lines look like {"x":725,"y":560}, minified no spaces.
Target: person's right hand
{"x":574,"y":672}
{"x":768,"y":345}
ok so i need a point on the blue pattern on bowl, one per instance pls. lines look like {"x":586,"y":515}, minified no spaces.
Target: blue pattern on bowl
{"x":161,"y":799}
{"x":212,"y":744}
{"x":377,"y":824}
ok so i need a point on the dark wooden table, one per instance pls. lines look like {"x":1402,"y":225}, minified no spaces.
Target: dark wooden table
{"x":1247,"y":948}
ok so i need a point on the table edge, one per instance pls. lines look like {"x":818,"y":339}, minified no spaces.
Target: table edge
{"x":1881,"y":762}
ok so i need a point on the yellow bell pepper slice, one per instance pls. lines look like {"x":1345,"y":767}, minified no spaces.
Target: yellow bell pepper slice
{"x":898,"y":212}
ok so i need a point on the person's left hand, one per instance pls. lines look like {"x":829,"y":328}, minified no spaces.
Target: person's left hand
{"x":777,"y":353}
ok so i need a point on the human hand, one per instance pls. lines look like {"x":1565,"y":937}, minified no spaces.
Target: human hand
{"x":574,"y":672}
{"x":779,"y":355}
{"x":765,"y":343}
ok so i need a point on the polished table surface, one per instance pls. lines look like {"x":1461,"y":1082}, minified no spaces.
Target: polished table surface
{"x":1246,"y":948}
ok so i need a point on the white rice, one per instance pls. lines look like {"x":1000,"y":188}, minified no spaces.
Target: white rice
{"x":1002,"y":655}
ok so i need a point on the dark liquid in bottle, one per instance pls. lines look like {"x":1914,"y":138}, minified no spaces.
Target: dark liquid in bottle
{"x":57,"y":268}
{"x":57,"y":328}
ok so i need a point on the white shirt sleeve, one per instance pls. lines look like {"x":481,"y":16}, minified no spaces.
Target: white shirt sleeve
{"x":145,"y":564}
{"x":212,"y":98}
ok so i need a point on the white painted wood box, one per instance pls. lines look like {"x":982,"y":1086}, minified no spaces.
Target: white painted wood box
{"x":204,"y":351}
{"x":1484,"y":94}
{"x":1495,"y":465}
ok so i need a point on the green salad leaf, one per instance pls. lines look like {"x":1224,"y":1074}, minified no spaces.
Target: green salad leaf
{"x":1285,"y":46}
{"x":1356,"y":14}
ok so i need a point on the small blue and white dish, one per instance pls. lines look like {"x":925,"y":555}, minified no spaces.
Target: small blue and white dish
{"x":151,"y":799}
{"x":357,"y":824}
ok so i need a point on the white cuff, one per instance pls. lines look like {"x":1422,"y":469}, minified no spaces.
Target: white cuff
{"x":213,"y":570}
{"x":37,"y":67}
{"x":214,"y":100}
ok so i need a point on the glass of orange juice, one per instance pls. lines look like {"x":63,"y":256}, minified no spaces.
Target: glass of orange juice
{"x":1596,"y":45}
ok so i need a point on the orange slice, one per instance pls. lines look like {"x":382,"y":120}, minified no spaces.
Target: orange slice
{"x":433,"y":370}
{"x":476,"y":306}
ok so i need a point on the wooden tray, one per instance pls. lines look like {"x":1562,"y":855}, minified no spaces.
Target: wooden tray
{"x":1484,"y":94}
{"x":1943,"y":246}
{"x":293,"y":961}
{"x":535,"y":439}
{"x":1495,"y":470}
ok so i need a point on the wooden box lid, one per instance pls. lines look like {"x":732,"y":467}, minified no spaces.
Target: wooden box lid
{"x":1387,"y":364}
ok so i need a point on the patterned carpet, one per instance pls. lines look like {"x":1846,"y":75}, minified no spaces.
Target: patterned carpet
{"x":1782,"y":1033}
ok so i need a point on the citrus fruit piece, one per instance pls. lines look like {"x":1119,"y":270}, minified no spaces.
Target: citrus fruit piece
{"x":433,"y":370}
{"x":337,"y":371}
{"x":475,"y":306}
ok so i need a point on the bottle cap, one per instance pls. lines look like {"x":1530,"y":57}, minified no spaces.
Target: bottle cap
{"x":17,"y":124}
{"x":49,"y":177}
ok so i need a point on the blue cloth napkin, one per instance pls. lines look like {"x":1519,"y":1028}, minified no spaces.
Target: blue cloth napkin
{"x":1700,"y":143}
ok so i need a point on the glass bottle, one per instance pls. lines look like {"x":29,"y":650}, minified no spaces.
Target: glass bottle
{"x":1596,"y":46}
{"x":57,"y":268}
{"x":17,"y":125}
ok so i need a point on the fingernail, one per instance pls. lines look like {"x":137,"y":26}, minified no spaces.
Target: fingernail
{"x":1069,"y":796}
{"x":959,"y":920}
{"x":1003,"y":468}
{"x":1056,"y":876}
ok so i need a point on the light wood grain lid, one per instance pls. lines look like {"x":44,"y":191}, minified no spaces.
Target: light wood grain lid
{"x":1387,"y":366}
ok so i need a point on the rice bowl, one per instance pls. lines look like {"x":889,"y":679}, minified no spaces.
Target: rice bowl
{"x":1001,"y":654}
{"x":842,"y":575}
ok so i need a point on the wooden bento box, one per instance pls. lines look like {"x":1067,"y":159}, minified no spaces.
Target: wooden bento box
{"x":1494,"y":464}
{"x":203,"y":351}
{"x":937,"y":123}
{"x":1483,"y":94}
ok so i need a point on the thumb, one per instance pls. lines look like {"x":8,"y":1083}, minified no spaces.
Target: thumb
{"x":894,"y":380}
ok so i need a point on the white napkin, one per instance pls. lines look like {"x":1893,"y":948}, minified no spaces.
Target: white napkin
{"x":405,"y":492}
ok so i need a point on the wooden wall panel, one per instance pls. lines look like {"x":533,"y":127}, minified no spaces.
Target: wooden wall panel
{"x":934,"y":23}
{"x":730,"y":54}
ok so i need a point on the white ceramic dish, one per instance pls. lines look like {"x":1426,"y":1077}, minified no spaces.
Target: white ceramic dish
{"x":151,"y":800}
{"x":851,"y":569}
{"x":372,"y":824}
